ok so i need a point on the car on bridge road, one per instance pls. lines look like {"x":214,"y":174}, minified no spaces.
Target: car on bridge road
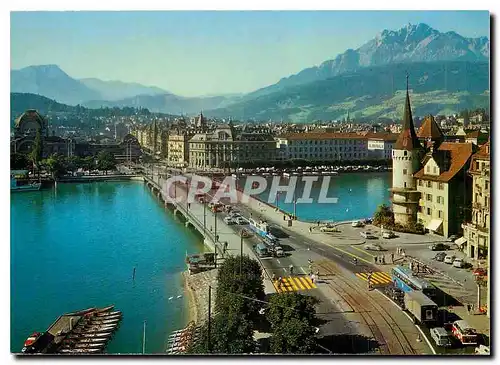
{"x":440,"y":256}
{"x":357,"y":224}
{"x":368,"y":235}
{"x":373,"y":247}
{"x":228,"y":220}
{"x":439,"y":247}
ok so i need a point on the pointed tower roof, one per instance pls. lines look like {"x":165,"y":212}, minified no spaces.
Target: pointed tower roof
{"x":407,"y":140}
{"x":429,"y":129}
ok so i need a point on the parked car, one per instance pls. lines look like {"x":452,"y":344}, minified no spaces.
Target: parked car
{"x":373,"y":247}
{"x":240,"y":220}
{"x":329,"y":229}
{"x":440,"y":256}
{"x":480,"y":271}
{"x":357,"y":224}
{"x":228,"y":220}
{"x":388,"y":234}
{"x":458,"y":263}
{"x":453,"y":237}
{"x":367,"y":235}
{"x":439,"y":247}
{"x":278,"y":251}
{"x":234,"y":213}
{"x":449,"y":259}
{"x":440,"y":336}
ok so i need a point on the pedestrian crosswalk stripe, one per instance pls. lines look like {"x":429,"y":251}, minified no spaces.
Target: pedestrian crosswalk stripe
{"x":299,"y":284}
{"x":296,"y":283}
{"x":377,"y":277}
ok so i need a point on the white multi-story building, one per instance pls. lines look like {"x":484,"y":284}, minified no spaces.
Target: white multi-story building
{"x":335,"y":146}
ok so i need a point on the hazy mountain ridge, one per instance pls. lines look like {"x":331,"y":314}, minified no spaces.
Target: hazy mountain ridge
{"x":367,"y":93}
{"x":52,"y":82}
{"x":116,"y":90}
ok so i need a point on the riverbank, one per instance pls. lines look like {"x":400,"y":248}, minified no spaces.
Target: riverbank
{"x":95,"y":178}
{"x":196,"y":289}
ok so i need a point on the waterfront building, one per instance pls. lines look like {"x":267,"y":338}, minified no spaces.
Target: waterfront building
{"x":406,"y":157}
{"x":224,"y":148}
{"x":477,"y":230}
{"x":25,"y":129}
{"x":444,"y":187}
{"x":324,"y":146}
{"x":178,"y":149}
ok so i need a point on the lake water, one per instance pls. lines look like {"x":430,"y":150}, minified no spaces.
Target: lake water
{"x":75,"y":246}
{"x":358,"y":194}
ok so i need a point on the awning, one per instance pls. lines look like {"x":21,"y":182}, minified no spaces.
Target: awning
{"x":434,"y":224}
{"x":460,"y":241}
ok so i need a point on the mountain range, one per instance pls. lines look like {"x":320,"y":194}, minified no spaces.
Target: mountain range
{"x":365,"y":81}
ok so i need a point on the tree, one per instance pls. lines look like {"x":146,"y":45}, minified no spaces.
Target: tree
{"x":284,"y":307}
{"x":229,"y":334}
{"x":18,"y":161}
{"x":384,"y":216}
{"x":88,"y":163}
{"x":249,"y":283}
{"x":294,"y":336}
{"x":106,"y":161}
{"x":35,"y":155}
{"x":55,"y":165}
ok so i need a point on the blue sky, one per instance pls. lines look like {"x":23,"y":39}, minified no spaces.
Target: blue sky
{"x":206,"y":53}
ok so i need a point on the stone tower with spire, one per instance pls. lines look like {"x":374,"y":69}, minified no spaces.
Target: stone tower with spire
{"x":406,"y":160}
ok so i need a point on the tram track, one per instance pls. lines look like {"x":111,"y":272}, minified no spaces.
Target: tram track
{"x":384,"y":328}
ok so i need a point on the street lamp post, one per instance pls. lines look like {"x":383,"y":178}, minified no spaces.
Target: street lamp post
{"x":215,"y":225}
{"x":209,"y":318}
{"x":241,"y":250}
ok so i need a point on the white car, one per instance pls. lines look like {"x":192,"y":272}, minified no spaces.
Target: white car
{"x":278,"y":251}
{"x":458,"y":263}
{"x":449,"y":259}
{"x":367,"y":235}
{"x":329,"y":229}
{"x":357,"y":224}
{"x":229,"y":220}
{"x":240,"y":220}
{"x":373,"y":247}
{"x":388,"y":234}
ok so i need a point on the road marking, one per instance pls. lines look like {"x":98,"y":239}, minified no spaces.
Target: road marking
{"x":284,"y":269}
{"x":366,"y":253}
{"x":350,"y":254}
{"x":278,"y":261}
{"x":377,"y":277}
{"x":299,"y":283}
{"x":305,"y":282}
{"x":303,"y":270}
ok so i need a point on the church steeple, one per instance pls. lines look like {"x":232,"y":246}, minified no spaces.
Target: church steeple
{"x":407,"y":140}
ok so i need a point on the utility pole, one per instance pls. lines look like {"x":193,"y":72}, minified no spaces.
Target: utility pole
{"x":209,"y":318}
{"x":215,"y":225}
{"x":144,"y":339}
{"x":204,"y":217}
{"x":241,"y":251}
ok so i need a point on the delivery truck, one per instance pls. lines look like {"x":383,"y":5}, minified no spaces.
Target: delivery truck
{"x":423,"y":309}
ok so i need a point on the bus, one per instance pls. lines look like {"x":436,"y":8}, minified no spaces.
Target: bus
{"x":404,"y":279}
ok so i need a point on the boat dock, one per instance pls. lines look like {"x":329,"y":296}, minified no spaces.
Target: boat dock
{"x":83,"y":332}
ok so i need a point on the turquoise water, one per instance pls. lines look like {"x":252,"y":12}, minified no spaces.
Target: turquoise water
{"x":75,"y":246}
{"x":359,"y":195}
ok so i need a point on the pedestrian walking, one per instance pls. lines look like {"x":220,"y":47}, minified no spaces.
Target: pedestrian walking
{"x":291,"y":269}
{"x":310,"y":229}
{"x":280,"y":282}
{"x":411,"y":266}
{"x":383,"y":259}
{"x":225,"y":246}
{"x":375,"y":259}
{"x":318,"y":223}
{"x":189,"y":205}
{"x":418,"y":267}
{"x":313,"y":278}
{"x":392,"y":257}
{"x":274,"y":277}
{"x":210,"y":228}
{"x":369,"y":279}
{"x":317,"y":275}
{"x":355,"y":261}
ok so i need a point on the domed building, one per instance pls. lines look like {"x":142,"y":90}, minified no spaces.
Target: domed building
{"x":25,"y":129}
